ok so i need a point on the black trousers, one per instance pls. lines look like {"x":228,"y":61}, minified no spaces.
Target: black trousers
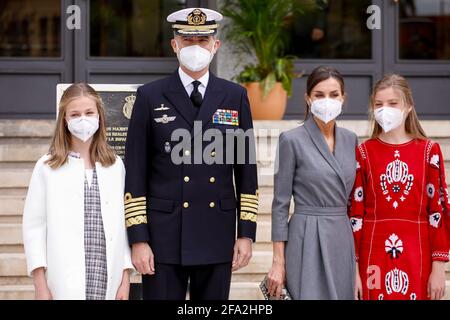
{"x":170,"y":282}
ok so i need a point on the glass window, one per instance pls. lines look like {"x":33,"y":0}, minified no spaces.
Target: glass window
{"x":131,"y":28}
{"x":424,"y":29}
{"x":30,"y":28}
{"x":332,"y":29}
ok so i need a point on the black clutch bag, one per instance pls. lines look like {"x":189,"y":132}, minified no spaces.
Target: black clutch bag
{"x":264,"y":289}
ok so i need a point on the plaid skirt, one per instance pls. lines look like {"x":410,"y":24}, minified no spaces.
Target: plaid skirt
{"x":94,"y":242}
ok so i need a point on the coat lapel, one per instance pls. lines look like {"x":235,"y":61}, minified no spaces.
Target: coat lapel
{"x":178,"y":97}
{"x":320,"y":143}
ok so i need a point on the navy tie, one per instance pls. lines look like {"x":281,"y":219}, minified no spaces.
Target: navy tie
{"x":196,"y":96}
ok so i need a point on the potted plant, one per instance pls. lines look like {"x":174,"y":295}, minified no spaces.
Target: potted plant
{"x":260,"y":28}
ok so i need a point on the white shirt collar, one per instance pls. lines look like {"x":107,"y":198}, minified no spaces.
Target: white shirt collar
{"x":187,"y":80}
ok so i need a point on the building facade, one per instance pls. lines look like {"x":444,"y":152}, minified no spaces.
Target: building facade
{"x":128,"y":42}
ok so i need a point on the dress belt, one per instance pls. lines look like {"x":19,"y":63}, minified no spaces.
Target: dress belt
{"x":321,"y":211}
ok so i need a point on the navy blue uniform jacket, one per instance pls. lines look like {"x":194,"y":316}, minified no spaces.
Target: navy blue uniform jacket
{"x":189,"y":213}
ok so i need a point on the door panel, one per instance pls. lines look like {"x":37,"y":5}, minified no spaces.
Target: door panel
{"x":132,"y":48}
{"x":35,"y":54}
{"x":410,"y":26}
{"x":357,"y":55}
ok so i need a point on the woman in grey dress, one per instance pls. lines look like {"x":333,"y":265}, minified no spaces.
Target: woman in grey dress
{"x":313,"y":252}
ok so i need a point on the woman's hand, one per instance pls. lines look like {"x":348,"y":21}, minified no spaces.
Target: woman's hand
{"x":123,"y":292}
{"x":41,"y":289}
{"x":436,"y":282}
{"x":358,"y":285}
{"x":276,"y":279}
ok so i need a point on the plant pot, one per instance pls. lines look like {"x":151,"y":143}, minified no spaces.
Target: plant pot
{"x":271,"y":107}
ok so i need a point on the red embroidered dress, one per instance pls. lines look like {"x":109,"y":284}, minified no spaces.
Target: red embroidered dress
{"x":398,"y":219}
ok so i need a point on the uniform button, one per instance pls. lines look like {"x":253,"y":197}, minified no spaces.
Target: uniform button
{"x":186,"y":179}
{"x":186,"y":205}
{"x":187,"y":153}
{"x":212,"y":179}
{"x":212,"y":205}
{"x":213,"y":154}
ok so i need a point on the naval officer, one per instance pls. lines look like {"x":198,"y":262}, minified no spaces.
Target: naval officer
{"x":190,"y":221}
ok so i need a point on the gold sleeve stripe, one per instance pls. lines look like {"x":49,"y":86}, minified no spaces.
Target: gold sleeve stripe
{"x":128,"y":201}
{"x":135,"y":214}
{"x":131,"y":205}
{"x":249,"y":201}
{"x":247,"y":216}
{"x":243,"y":208}
{"x":136,"y":221}
{"x":248,"y":204}
{"x":129,"y":198}
{"x":141,"y":208}
{"x":249,"y":196}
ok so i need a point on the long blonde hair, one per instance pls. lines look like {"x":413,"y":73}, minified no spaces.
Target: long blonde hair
{"x":412,"y":124}
{"x":59,"y":151}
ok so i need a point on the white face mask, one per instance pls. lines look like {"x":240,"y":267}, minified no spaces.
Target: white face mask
{"x":326,"y":109}
{"x":83,"y":127}
{"x":195,"y":58}
{"x":388,"y":118}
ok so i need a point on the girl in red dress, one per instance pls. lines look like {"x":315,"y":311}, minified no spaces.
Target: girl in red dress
{"x":399,"y":204}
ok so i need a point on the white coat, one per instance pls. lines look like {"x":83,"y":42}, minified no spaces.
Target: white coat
{"x":53,"y":226}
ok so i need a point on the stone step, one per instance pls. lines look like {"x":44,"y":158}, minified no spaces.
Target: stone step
{"x":12,"y":265}
{"x":45,"y":128}
{"x":16,"y":248}
{"x":9,"y":281}
{"x":15,"y":175}
{"x":263,"y":230}
{"x":23,"y":149}
{"x":17,"y":292}
{"x":259,"y":264}
{"x":11,"y":234}
{"x":12,"y":205}
{"x":238,"y":291}
{"x":245,"y":291}
{"x":27,"y":128}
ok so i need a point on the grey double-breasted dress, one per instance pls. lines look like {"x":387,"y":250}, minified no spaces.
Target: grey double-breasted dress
{"x":320,"y":255}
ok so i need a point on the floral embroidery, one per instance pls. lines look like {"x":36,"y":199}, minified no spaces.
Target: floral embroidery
{"x":435,"y":219}
{"x":395,"y":179}
{"x":430,"y":190}
{"x":356,"y":223}
{"x":394,"y":246}
{"x":359,"y":194}
{"x":397,"y":281}
{"x":435,"y":160}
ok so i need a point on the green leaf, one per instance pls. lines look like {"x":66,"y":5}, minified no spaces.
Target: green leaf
{"x":268,"y":83}
{"x":259,"y":27}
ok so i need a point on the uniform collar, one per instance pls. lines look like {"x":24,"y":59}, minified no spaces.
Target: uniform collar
{"x":186,"y":80}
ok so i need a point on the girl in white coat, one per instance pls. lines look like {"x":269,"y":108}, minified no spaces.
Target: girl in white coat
{"x":74,"y":223}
